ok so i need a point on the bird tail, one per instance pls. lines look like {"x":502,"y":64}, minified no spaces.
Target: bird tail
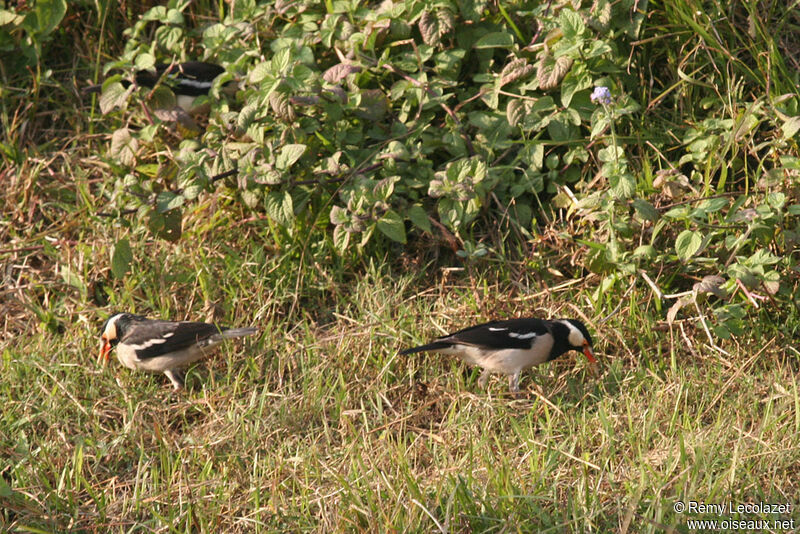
{"x":238,"y":332}
{"x":436,"y":345}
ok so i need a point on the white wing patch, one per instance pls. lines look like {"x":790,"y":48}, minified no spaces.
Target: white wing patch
{"x":196,"y":83}
{"x":498,"y":330}
{"x":149,"y":343}
{"x":529,"y":335}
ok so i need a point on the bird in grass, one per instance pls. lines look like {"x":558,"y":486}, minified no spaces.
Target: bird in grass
{"x":162,"y":346}
{"x":513,"y":345}
{"x":187,"y":80}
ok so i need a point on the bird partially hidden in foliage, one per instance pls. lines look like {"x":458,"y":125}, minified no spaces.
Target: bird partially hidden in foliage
{"x":513,"y":345}
{"x":162,"y":346}
{"x":187,"y":80}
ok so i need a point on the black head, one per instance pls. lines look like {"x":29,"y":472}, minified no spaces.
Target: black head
{"x":584,"y":332}
{"x":114,"y":329}
{"x":571,"y":334}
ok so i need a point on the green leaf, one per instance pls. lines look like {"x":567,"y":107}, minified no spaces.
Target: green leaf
{"x":288,"y":155}
{"x":5,"y":490}
{"x":341,"y":239}
{"x":516,"y":111}
{"x":384,"y":188}
{"x":559,"y":128}
{"x":762,"y":257}
{"x":163,"y":99}
{"x":246,"y":117}
{"x":165,"y":225}
{"x":251,"y":197}
{"x":145,"y":61}
{"x":577,"y":79}
{"x":495,"y":40}
{"x":45,"y":17}
{"x":124,"y":147}
{"x":339,"y":215}
{"x":9,"y":18}
{"x":645,"y":251}
{"x":157,"y":13}
{"x":190,"y":192}
{"x":73,"y":279}
{"x":339,"y":72}
{"x":260,"y":72}
{"x":121,"y":258}
{"x":174,"y":17}
{"x":610,"y":154}
{"x":645,"y":210}
{"x":791,"y":127}
{"x":282,"y":61}
{"x":114,"y":96}
{"x":687,"y":244}
{"x":169,"y":37}
{"x":280,"y":207}
{"x":600,"y":122}
{"x":419,"y":217}
{"x":435,"y":25}
{"x":712,"y":205}
{"x":392,"y":225}
{"x":167,"y":200}
{"x":515,"y":70}
{"x":551,"y":71}
{"x":372,"y":105}
{"x":571,"y":24}
{"x":776,"y":200}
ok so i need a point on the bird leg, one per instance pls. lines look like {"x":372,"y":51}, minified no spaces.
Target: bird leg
{"x":513,"y":382}
{"x":484,"y":378}
{"x":176,"y":377}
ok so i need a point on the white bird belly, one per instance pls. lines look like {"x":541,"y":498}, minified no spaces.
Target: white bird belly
{"x":506,"y":361}
{"x":159,"y":364}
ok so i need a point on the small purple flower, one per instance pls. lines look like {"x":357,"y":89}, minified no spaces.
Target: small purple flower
{"x":601,"y":95}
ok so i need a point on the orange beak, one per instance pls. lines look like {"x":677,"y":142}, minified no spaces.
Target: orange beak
{"x":105,"y":350}
{"x":587,"y":350}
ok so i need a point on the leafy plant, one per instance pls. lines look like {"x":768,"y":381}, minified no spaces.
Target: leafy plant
{"x":400,"y":121}
{"x":372,"y":91}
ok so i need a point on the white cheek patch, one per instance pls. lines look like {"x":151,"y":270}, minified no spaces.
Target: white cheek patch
{"x":110,"y":332}
{"x":529,"y":335}
{"x":147,"y":344}
{"x":575,"y":338}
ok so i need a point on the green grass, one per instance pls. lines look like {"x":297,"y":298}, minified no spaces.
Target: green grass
{"x":317,"y":424}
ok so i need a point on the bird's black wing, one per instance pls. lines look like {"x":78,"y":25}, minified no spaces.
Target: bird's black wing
{"x":508,"y":334}
{"x":197,"y":70}
{"x":154,"y":338}
{"x":194,"y":78}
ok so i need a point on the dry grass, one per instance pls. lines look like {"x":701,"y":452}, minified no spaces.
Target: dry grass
{"x":317,"y":424}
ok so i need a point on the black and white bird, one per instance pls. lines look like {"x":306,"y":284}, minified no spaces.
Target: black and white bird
{"x":187,"y":80}
{"x":513,"y":345}
{"x":162,"y":346}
